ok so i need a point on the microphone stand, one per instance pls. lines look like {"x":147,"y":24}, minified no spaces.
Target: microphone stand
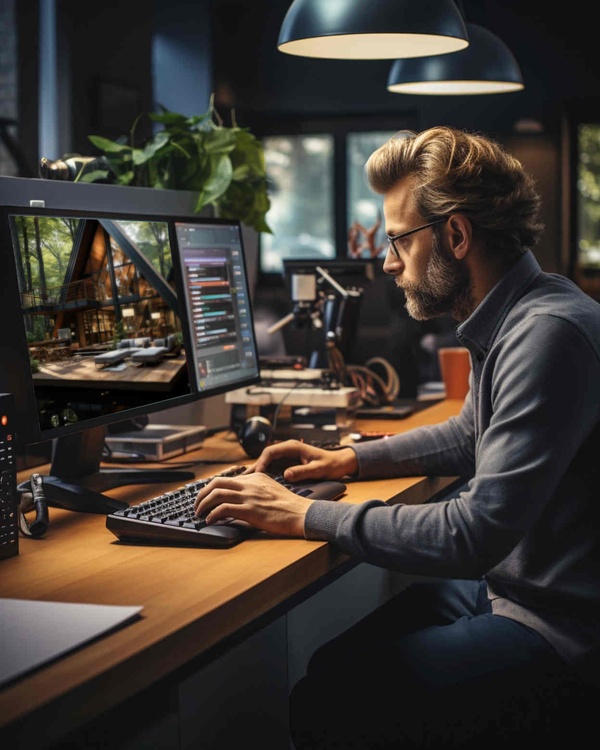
{"x":339,"y":314}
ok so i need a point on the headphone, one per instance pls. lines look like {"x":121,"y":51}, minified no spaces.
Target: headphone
{"x":31,"y":496}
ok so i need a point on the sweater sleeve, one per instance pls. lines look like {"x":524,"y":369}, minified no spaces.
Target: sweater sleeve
{"x":519,"y":464}
{"x":446,"y":449}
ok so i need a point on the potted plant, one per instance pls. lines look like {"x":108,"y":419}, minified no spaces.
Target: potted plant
{"x":119,"y":334}
{"x":224,"y":165}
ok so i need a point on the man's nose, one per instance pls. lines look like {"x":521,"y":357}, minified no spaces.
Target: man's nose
{"x":392,"y":263}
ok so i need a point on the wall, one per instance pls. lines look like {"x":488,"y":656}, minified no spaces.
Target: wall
{"x":182,"y":56}
{"x":111,"y":47}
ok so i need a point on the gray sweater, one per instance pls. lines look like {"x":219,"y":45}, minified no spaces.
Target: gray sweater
{"x":528,"y":438}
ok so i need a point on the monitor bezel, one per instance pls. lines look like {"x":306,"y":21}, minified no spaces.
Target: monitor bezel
{"x":29,"y":432}
{"x":344,"y":266}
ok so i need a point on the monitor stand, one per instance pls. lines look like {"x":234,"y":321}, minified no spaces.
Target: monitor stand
{"x":76,"y":481}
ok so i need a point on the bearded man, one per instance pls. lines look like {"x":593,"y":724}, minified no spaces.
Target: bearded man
{"x":509,"y":613}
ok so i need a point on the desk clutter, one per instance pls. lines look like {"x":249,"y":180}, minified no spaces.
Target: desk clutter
{"x":293,"y":401}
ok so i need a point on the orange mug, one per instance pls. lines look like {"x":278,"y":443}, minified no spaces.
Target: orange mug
{"x":455,"y":364}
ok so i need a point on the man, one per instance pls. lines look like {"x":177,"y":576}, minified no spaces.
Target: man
{"x":517,"y":549}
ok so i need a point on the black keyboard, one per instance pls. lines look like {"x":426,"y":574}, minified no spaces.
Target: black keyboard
{"x":170,"y":518}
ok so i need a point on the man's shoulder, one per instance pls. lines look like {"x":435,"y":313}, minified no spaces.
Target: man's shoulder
{"x":550,"y":299}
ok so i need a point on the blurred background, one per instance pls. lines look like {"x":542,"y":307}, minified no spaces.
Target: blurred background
{"x":70,"y":69}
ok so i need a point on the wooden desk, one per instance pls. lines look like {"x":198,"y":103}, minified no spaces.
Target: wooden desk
{"x":193,"y":599}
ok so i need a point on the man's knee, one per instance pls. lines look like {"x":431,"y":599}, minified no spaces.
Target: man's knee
{"x":374,"y":638}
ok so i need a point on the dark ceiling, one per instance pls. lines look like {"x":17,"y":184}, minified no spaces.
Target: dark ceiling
{"x":557,"y":53}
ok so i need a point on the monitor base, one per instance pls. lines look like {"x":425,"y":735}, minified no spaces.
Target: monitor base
{"x":76,"y":481}
{"x":85,"y":494}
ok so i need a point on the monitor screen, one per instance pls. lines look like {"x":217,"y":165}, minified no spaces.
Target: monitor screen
{"x":121,"y":315}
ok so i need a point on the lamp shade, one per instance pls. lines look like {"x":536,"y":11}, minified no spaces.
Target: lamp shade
{"x":372,"y":29}
{"x":486,"y":66}
{"x":128,"y":312}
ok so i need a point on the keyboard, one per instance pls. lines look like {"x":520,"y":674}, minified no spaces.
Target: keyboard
{"x":169,"y":519}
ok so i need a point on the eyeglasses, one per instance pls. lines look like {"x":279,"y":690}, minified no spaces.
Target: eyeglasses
{"x":392,"y":240}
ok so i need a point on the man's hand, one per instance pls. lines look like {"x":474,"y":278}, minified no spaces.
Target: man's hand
{"x":312,"y":463}
{"x":257,"y":499}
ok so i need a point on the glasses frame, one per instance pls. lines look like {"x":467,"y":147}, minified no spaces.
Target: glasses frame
{"x":392,"y":240}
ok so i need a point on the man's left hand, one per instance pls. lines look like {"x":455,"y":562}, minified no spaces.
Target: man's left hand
{"x":255,"y":498}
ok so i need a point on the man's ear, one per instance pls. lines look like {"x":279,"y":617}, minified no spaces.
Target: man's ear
{"x":459,"y":235}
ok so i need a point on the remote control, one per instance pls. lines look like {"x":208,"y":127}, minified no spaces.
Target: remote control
{"x":9,"y":540}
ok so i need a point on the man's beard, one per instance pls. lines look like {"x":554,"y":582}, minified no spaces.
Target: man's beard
{"x":446,"y":287}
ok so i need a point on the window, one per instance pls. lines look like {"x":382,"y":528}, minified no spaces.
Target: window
{"x":363,"y":205}
{"x":300,"y":176}
{"x":588,"y":204}
{"x":318,"y":190}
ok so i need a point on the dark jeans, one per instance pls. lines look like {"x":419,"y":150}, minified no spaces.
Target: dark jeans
{"x":434,"y":668}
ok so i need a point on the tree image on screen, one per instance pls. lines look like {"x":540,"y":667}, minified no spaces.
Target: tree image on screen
{"x":101,"y":315}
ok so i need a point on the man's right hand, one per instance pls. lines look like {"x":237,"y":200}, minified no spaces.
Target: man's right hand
{"x":311,"y":462}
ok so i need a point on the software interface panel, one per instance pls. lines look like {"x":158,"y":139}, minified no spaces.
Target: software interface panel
{"x":218,"y":305}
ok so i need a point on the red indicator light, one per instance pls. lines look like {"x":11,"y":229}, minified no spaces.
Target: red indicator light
{"x":4,"y":420}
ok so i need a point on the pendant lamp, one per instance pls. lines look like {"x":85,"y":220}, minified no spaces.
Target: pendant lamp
{"x":372,"y":29}
{"x":487,"y":66}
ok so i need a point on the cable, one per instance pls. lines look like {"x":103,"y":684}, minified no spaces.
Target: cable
{"x":373,"y":389}
{"x":393,"y":380}
{"x":296,"y":384}
{"x":372,"y":377}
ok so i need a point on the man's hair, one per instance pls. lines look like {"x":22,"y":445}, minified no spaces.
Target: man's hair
{"x":459,"y":172}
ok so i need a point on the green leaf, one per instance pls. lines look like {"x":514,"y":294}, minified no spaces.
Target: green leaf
{"x":153,"y":179}
{"x":219,"y":141}
{"x":196,"y":119}
{"x":249,"y":151}
{"x":241,"y":173}
{"x":261,"y":225}
{"x":221,"y":172}
{"x":141,"y":156}
{"x":181,"y":148}
{"x":261,"y":201}
{"x":125,"y":178}
{"x":104,"y":144}
{"x":97,"y":174}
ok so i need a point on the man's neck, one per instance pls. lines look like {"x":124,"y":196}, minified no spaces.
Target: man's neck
{"x":486,"y":271}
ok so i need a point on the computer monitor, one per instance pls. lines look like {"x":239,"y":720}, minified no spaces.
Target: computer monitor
{"x":113,"y":316}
